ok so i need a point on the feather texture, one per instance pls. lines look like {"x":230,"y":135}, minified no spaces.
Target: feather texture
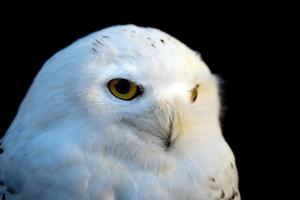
{"x":72,"y":139}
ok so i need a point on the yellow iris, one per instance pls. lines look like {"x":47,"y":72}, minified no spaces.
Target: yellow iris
{"x":123,"y":89}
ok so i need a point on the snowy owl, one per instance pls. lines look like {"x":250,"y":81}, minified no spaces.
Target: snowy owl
{"x":123,"y":113}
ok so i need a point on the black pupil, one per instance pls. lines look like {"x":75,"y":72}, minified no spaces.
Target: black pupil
{"x":123,"y":86}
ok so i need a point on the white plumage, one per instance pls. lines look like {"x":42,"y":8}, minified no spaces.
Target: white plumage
{"x":75,"y":139}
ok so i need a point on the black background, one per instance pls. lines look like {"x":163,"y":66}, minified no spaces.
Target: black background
{"x":237,"y":43}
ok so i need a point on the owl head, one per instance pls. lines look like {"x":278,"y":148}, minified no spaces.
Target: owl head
{"x":124,"y":86}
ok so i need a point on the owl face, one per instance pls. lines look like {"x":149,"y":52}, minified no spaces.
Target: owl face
{"x":144,"y":79}
{"x":137,"y":80}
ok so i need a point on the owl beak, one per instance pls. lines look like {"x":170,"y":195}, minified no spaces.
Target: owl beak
{"x":182,"y":119}
{"x":175,"y":125}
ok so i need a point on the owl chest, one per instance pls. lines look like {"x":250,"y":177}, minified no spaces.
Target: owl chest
{"x":115,"y":180}
{"x":83,"y":175}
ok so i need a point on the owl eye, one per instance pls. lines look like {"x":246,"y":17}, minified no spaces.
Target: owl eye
{"x":124,"y":89}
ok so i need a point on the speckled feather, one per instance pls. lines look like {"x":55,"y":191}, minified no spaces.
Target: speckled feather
{"x":73,"y":140}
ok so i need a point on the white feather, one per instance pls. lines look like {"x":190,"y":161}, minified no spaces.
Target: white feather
{"x":72,"y":139}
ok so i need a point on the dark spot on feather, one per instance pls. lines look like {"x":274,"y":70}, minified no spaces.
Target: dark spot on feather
{"x":162,"y":41}
{"x":11,"y":190}
{"x":1,"y":150}
{"x":98,"y":41}
{"x":212,"y":179}
{"x":236,"y":193}
{"x":149,"y":38}
{"x":222,"y":194}
{"x":95,"y":50}
{"x":153,"y":45}
{"x":231,"y":165}
{"x":132,"y":31}
{"x":232,"y":196}
{"x":3,"y":197}
{"x":1,"y":182}
{"x":105,"y":36}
